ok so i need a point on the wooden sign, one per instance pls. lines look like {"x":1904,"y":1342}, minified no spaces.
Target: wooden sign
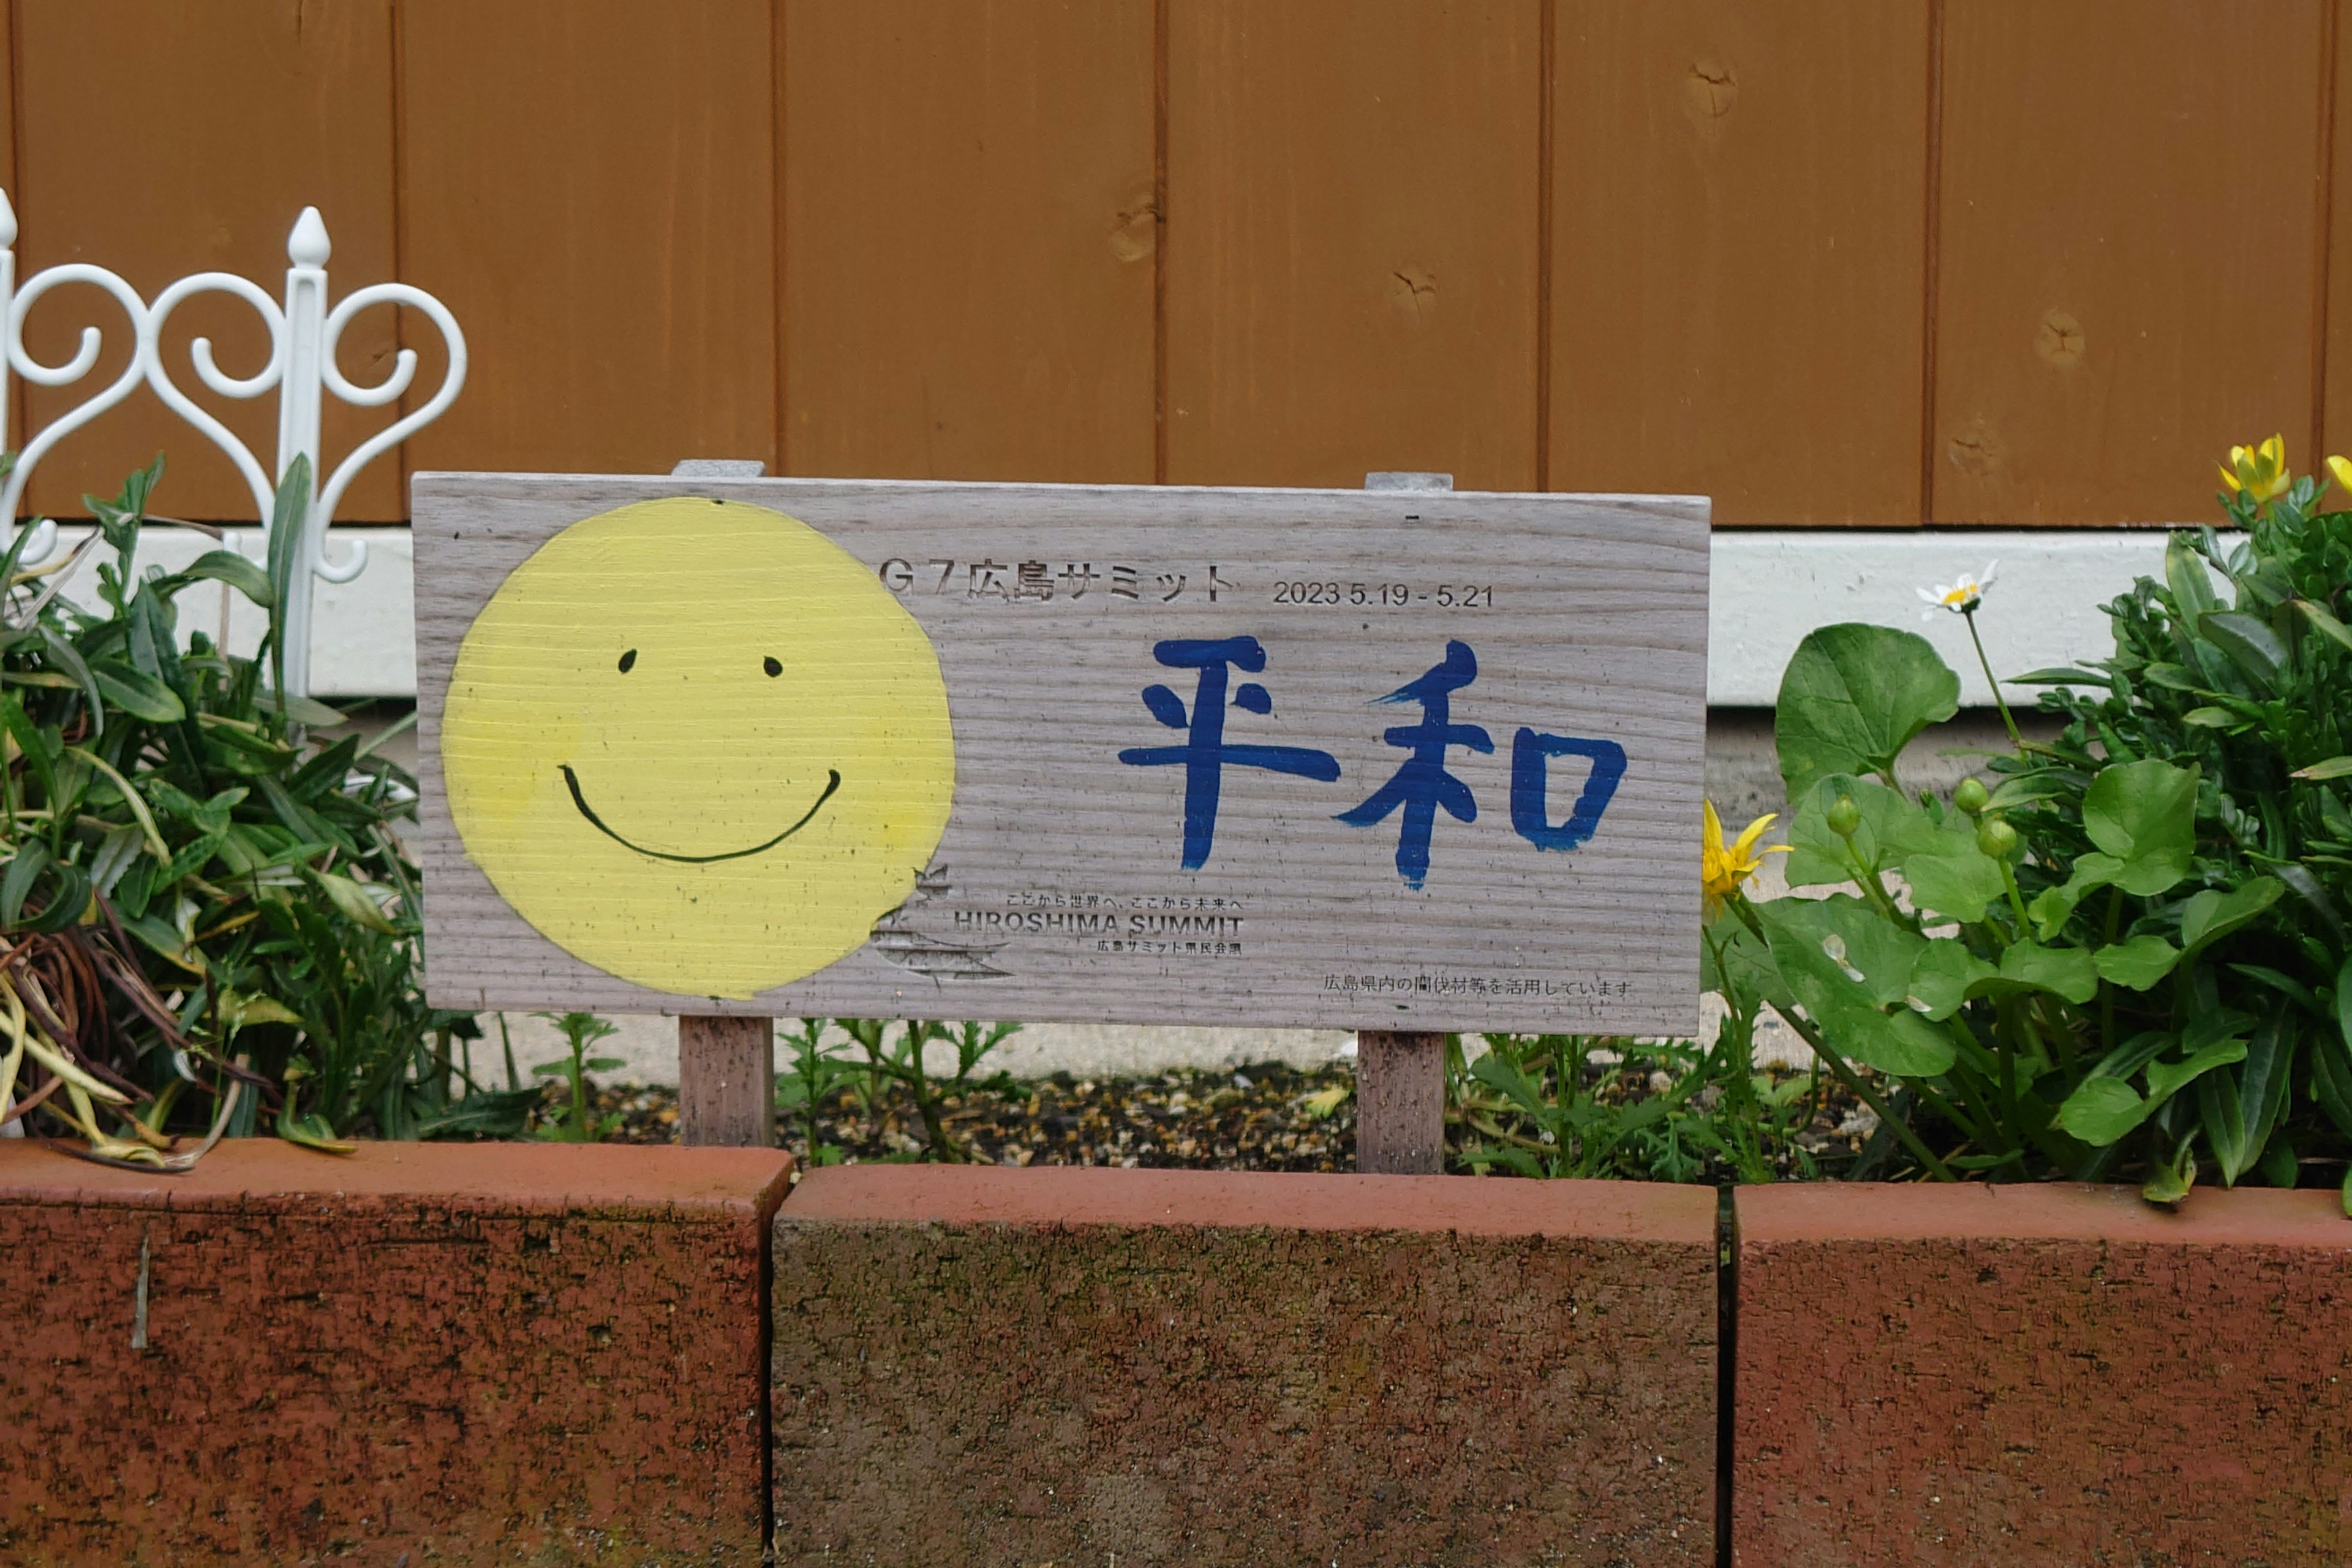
{"x":1378,"y":760}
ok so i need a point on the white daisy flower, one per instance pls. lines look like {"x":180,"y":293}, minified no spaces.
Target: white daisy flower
{"x":1960,"y":596}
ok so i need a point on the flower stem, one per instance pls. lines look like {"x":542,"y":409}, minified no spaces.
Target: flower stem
{"x":2000,"y":701}
{"x":1846,"y":1075}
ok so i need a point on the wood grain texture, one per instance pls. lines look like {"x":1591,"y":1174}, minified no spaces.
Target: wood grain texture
{"x":970,"y":233}
{"x":167,"y":137}
{"x":726,"y":1080}
{"x":2127,"y":253}
{"x":1351,"y":269}
{"x":1060,"y":865}
{"x":1399,"y":1104}
{"x":10,"y":172}
{"x":1738,"y":243}
{"x":2335,"y":366}
{"x":590,"y":188}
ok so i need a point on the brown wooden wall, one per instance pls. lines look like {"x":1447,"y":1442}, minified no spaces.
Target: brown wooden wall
{"x":1878,"y":262}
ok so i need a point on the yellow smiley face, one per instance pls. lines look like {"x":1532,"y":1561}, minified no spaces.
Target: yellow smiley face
{"x":697,"y":745}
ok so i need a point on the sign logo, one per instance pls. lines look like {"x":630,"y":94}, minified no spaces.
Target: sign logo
{"x":697,"y":745}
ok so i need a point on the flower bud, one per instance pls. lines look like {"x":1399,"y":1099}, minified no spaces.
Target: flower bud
{"x":1996,"y":839}
{"x":1971,"y":796}
{"x":1845,"y":817}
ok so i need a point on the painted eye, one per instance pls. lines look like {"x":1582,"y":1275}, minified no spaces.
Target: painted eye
{"x":627,"y":659}
{"x":771,"y":667}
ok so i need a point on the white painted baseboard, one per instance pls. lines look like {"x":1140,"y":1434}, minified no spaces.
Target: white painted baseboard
{"x":1771,"y":587}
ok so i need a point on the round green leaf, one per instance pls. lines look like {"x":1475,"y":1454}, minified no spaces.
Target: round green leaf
{"x":2145,"y":815}
{"x":2139,"y":964}
{"x":1853,"y":697}
{"x":2102,"y":1110}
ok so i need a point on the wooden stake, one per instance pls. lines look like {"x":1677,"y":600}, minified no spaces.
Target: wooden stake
{"x":726,"y":1080}
{"x":1401,"y":1078}
{"x":726,"y":1066}
{"x":1399,"y":1104}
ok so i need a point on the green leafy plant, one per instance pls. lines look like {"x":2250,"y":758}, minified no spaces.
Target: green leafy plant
{"x":206,"y":922}
{"x":815,"y":1072}
{"x":579,"y":1123}
{"x":1581,"y":1105}
{"x":2131,"y":953}
{"x":888,"y":1062}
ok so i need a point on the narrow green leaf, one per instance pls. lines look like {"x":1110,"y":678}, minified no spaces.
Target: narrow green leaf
{"x":161,"y":939}
{"x":2331,"y":1080}
{"x":25,"y":868}
{"x":115,"y":852}
{"x":2344,"y":1004}
{"x":239,"y":1010}
{"x":351,"y":901}
{"x":66,"y":902}
{"x":2260,"y":1090}
{"x":2026,"y":789}
{"x":2250,"y":644}
{"x":2333,"y":768}
{"x":312,"y":1131}
{"x":2185,"y":575}
{"x":2278,"y":1164}
{"x":286,"y":520}
{"x":2328,"y":625}
{"x":228,"y":566}
{"x":70,"y":657}
{"x":131,"y":797}
{"x":303,"y":710}
{"x":2222,"y":1115}
{"x":139,"y":694}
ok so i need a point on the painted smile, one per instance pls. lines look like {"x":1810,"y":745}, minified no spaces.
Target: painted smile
{"x":571,"y":780}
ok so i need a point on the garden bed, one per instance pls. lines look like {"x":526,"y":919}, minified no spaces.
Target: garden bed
{"x":1265,"y":1117}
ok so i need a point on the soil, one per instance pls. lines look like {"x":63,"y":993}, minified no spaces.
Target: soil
{"x":1269,"y":1116}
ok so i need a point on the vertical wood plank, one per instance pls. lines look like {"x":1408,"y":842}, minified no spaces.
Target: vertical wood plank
{"x":2336,"y":412}
{"x":1351,"y":269}
{"x":2128,"y":251}
{"x":13,"y":405}
{"x":1399,"y":1104}
{"x":970,"y":238}
{"x":1738,"y":242}
{"x":165,"y":137}
{"x":588,"y":185}
{"x":726,"y":1080}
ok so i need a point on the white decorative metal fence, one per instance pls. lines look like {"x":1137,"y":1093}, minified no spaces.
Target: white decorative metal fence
{"x":303,"y":335}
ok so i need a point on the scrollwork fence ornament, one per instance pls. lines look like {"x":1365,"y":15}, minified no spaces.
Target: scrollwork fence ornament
{"x":303,"y":336}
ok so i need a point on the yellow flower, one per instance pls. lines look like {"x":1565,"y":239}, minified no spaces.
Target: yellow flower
{"x":2342,"y":470}
{"x":1722,"y":871}
{"x":2258,"y":473}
